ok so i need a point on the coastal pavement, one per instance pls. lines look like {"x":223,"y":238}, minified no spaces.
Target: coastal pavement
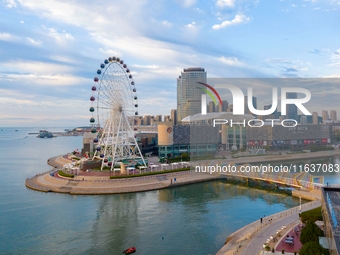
{"x":250,"y":239}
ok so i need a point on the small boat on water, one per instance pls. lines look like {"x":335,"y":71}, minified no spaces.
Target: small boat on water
{"x":130,"y":250}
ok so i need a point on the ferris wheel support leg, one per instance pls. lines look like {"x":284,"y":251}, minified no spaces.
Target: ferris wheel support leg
{"x":135,"y":141}
{"x":107,"y":128}
{"x":114,"y":149}
{"x":140,"y":153}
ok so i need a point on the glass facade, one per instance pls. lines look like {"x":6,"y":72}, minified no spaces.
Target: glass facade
{"x":192,"y":149}
{"x":188,"y":93}
{"x":236,"y":136}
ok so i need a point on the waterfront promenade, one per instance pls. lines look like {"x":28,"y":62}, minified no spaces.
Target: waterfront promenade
{"x":250,"y":239}
{"x":98,"y":184}
{"x":90,"y":185}
{"x":247,"y":240}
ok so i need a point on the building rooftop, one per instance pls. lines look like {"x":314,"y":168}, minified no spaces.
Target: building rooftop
{"x":194,"y":69}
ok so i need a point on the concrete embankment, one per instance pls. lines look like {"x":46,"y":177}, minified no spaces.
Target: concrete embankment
{"x":103,"y":185}
{"x":250,"y":238}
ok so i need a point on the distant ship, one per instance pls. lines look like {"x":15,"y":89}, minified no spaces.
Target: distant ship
{"x":45,"y":134}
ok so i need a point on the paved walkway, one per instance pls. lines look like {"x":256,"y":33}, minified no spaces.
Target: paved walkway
{"x":290,"y":247}
{"x":103,"y":185}
{"x":250,"y":239}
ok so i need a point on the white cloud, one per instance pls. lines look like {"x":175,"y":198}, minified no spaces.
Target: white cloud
{"x":11,"y":3}
{"x":35,"y":67}
{"x":24,"y":108}
{"x":166,"y":23}
{"x":191,"y":25}
{"x":146,"y":66}
{"x":225,"y":3}
{"x":335,"y":58}
{"x":231,"y":61}
{"x":111,"y":52}
{"x":64,"y":59}
{"x":60,"y":38}
{"x":6,"y":37}
{"x":239,"y":19}
{"x":32,"y":41}
{"x":40,"y":73}
{"x":46,"y":80}
{"x":188,"y":3}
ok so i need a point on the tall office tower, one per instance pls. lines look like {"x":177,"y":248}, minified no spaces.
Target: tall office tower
{"x":152,"y":120}
{"x":146,"y":120}
{"x":246,"y":108}
{"x":270,"y":116}
{"x":211,"y":106}
{"x":218,"y":107}
{"x":315,"y":118}
{"x":225,"y":105}
{"x":291,"y":109}
{"x":158,"y":118}
{"x":173,"y":116}
{"x":333,"y":115}
{"x":303,"y":120}
{"x":188,"y":93}
{"x":325,"y":115}
{"x":167,"y":118}
{"x":139,"y":120}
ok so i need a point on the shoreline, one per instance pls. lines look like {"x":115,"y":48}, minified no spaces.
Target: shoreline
{"x":240,"y":240}
{"x":98,"y":186}
{"x":92,"y":185}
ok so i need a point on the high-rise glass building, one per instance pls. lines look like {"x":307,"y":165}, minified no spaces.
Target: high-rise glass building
{"x":173,"y":115}
{"x":291,"y":109}
{"x":188,"y":92}
{"x":246,"y":108}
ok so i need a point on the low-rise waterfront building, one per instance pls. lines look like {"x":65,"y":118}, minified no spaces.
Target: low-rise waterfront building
{"x":194,"y":140}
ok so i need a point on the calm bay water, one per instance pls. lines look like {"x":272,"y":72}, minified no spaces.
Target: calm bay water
{"x":193,"y":219}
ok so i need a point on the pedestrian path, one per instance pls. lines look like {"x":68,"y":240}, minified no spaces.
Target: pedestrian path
{"x":256,"y":242}
{"x":251,"y":238}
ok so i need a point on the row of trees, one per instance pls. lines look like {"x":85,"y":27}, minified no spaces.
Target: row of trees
{"x":310,"y":234}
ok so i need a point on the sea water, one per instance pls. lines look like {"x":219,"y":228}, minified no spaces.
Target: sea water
{"x":192,"y":219}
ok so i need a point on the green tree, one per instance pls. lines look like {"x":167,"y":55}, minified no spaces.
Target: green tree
{"x":311,"y":215}
{"x":313,"y":248}
{"x":310,"y":232}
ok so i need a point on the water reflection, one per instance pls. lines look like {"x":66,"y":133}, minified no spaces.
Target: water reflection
{"x":199,"y":216}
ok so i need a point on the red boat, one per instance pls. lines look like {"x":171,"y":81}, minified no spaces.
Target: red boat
{"x":130,"y":250}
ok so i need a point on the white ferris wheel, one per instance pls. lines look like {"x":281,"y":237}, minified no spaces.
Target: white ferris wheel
{"x":114,"y":108}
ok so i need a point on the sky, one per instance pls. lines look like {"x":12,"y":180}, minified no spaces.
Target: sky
{"x":50,"y":50}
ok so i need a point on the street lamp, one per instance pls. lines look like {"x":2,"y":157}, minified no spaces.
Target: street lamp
{"x":300,"y":204}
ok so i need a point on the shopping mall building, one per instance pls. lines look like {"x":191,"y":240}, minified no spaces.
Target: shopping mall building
{"x":198,"y":136}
